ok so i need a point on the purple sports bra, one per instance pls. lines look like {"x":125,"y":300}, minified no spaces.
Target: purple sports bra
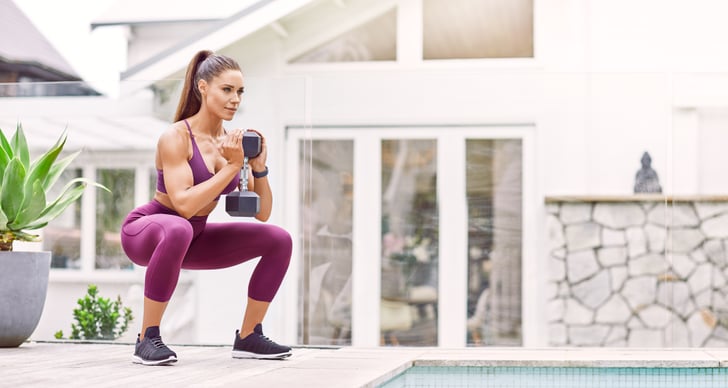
{"x":200,"y":173}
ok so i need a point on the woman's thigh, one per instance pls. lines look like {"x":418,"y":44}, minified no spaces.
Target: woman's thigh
{"x":223,"y":245}
{"x":143,"y":236}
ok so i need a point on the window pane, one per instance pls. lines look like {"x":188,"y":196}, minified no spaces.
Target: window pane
{"x":461,"y":29}
{"x":494,"y":196}
{"x":62,"y":236}
{"x":409,"y":243}
{"x":376,"y":40}
{"x":326,"y":220}
{"x":111,"y":209}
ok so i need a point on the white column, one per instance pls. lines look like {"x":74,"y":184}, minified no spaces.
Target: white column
{"x":88,"y":222}
{"x":366,"y":233}
{"x":533,"y":259}
{"x":141,"y":185}
{"x":453,"y":231}
{"x":293,"y":188}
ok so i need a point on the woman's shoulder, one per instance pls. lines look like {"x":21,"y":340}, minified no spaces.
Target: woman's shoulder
{"x":175,"y":136}
{"x":176,"y":131}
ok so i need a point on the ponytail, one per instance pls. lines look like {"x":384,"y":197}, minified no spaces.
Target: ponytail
{"x":204,"y":65}
{"x":189,"y":100}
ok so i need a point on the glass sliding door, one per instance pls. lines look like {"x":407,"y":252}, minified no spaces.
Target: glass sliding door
{"x":326,"y":199}
{"x":408,"y":313}
{"x":412,"y":236}
{"x":494,"y":192}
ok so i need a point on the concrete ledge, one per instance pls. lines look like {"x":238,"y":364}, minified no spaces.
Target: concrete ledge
{"x":634,"y":198}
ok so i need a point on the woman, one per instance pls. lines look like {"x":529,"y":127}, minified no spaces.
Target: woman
{"x":198,"y":161}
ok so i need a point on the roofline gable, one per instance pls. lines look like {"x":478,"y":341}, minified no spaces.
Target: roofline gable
{"x":222,"y":34}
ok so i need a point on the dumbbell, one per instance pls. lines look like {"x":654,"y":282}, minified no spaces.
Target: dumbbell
{"x":244,"y":203}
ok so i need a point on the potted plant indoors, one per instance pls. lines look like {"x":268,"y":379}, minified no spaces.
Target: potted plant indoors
{"x":24,"y":207}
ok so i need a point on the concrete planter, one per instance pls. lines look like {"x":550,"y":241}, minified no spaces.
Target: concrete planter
{"x":23,"y":287}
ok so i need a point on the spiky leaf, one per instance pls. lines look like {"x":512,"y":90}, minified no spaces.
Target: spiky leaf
{"x":57,"y":169}
{"x":33,"y":205}
{"x":4,"y":160}
{"x":41,"y":167}
{"x":11,"y":197}
{"x":5,"y":145}
{"x":71,"y":192}
{"x":3,"y":219}
{"x":20,"y":146}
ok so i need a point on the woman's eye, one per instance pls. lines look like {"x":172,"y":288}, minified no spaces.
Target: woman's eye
{"x":227,"y":90}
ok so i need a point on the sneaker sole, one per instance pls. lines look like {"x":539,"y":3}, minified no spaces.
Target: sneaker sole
{"x":138,"y":360}
{"x":243,"y":354}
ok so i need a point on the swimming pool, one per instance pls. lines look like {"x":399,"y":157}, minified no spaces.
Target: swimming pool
{"x":558,"y":377}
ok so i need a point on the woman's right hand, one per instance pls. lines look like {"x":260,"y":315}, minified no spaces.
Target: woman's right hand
{"x":231,"y":148}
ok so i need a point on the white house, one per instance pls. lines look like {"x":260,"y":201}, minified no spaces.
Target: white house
{"x":413,"y":143}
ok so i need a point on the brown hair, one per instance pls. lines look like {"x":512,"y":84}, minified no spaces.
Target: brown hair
{"x":204,"y":65}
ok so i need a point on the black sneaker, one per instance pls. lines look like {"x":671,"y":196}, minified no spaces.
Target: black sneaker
{"x":151,"y":350}
{"x":256,"y":345}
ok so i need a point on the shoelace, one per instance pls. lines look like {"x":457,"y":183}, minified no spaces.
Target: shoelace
{"x":157,"y":342}
{"x":270,"y":342}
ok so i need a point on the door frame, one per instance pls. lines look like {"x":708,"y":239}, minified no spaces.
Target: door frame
{"x":366,"y":230}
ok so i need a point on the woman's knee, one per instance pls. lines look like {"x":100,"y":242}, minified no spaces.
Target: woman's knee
{"x":178,"y":231}
{"x":282,"y":239}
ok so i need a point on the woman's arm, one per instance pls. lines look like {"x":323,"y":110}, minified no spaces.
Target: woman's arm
{"x":187,"y":198}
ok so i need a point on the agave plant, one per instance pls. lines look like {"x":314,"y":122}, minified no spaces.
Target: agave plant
{"x":24,"y":186}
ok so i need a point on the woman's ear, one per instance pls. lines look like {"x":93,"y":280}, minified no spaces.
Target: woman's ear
{"x":202,"y":87}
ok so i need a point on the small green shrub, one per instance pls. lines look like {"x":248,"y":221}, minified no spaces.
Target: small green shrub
{"x":98,"y":318}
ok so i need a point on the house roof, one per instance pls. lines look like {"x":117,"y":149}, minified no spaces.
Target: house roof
{"x":28,"y":46}
{"x":95,"y":123}
{"x":228,"y":31}
{"x":131,"y":12}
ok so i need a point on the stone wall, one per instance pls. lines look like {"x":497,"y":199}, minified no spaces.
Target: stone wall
{"x":637,"y":272}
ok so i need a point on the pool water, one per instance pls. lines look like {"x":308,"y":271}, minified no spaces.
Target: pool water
{"x":559,"y":377}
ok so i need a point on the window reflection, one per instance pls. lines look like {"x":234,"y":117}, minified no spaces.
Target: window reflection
{"x":408,"y":314}
{"x":465,"y":29}
{"x":375,"y":40}
{"x":62,"y":236}
{"x":111,"y":209}
{"x":494,"y":196}
{"x":326,"y":229}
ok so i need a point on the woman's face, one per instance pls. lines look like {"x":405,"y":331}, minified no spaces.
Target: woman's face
{"x":223,"y":93}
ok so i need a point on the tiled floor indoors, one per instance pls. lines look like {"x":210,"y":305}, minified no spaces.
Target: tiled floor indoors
{"x":59,"y":364}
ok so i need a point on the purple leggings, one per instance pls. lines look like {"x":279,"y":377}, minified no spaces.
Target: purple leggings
{"x":157,"y":237}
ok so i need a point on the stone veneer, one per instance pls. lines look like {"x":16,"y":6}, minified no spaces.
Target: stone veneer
{"x":637,"y":271}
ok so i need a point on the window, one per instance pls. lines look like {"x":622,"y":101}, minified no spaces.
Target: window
{"x":494,"y":193}
{"x":376,"y":40}
{"x":463,"y":29}
{"x":326,"y":238}
{"x":62,"y":236}
{"x":410,"y":228}
{"x":111,"y":209}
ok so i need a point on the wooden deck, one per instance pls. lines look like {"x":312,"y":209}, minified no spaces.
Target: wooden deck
{"x":64,"y":364}
{"x":109,"y":365}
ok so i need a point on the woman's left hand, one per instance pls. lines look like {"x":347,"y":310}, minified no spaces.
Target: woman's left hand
{"x":258,"y":163}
